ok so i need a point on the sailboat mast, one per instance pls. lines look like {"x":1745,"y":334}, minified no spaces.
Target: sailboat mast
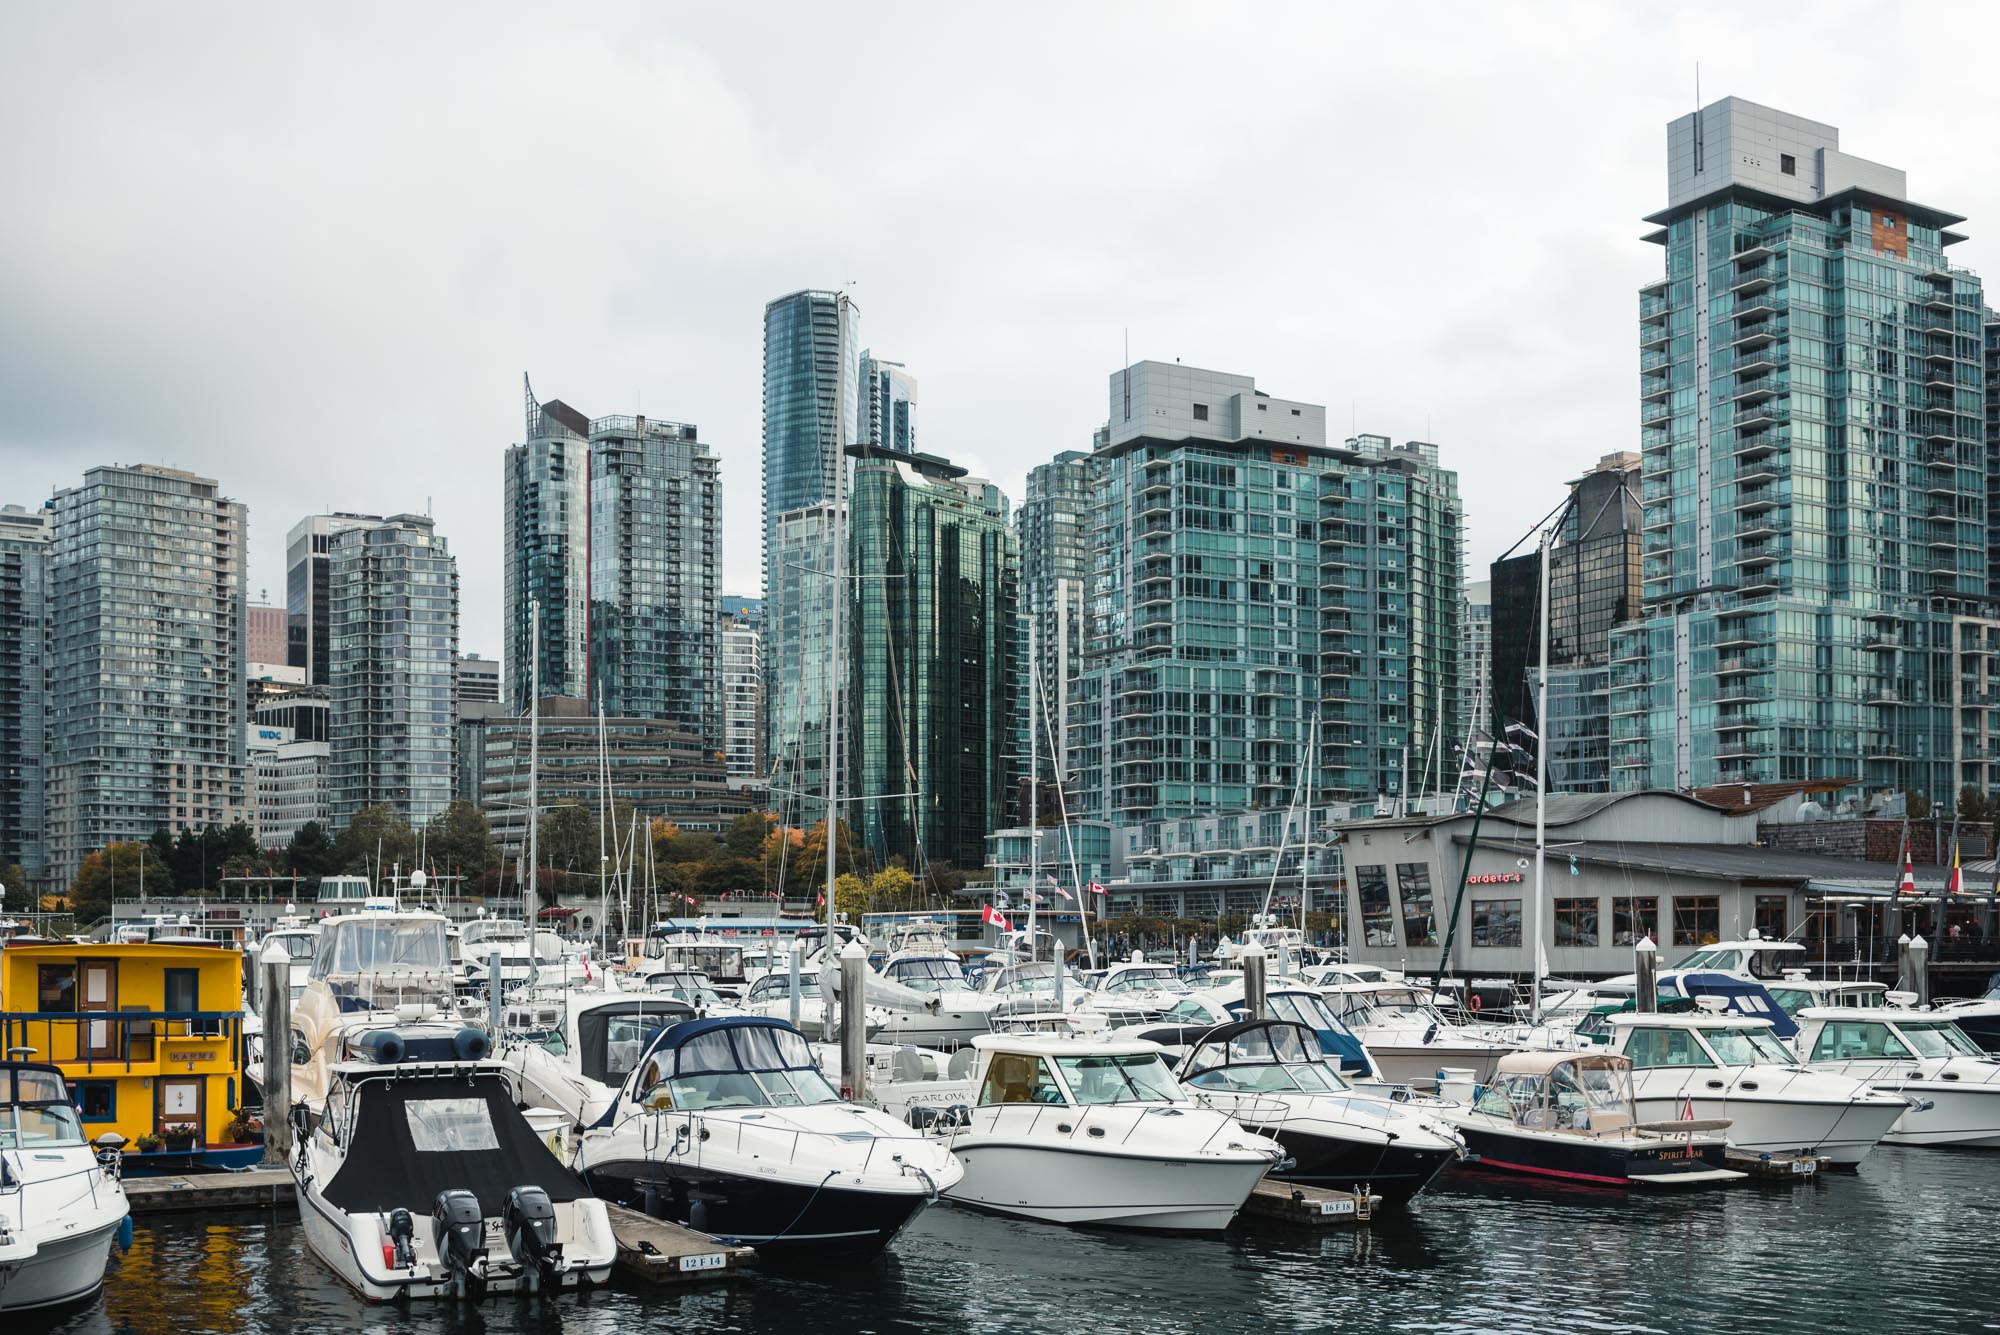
{"x":528,"y":890}
{"x":1034,"y":794}
{"x":1541,"y":791}
{"x":836,"y":651}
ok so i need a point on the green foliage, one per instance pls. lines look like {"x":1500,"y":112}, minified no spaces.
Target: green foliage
{"x":459,"y":841}
{"x":567,"y":839}
{"x":1917,"y":805}
{"x":311,"y":852}
{"x":375,"y":837}
{"x":1974,"y":805}
{"x":747,"y":834}
{"x":113,"y":872}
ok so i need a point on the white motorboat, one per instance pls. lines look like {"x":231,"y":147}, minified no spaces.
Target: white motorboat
{"x":729,"y":1127}
{"x":1953,"y":1086}
{"x":576,"y":1064}
{"x":421,"y":1179}
{"x":61,"y":1203}
{"x":1797,"y":990}
{"x":1409,"y":1041}
{"x":771,"y":996}
{"x":1084,"y":1130}
{"x":926,"y":999}
{"x":371,"y":970}
{"x":524,"y":955}
{"x":1334,"y":1135}
{"x":1137,"y":988}
{"x":1978,"y":1018}
{"x":1710,"y":1066}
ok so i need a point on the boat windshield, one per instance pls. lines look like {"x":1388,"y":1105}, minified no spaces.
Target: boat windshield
{"x":35,"y":1111}
{"x":1140,"y":1077}
{"x":1036,"y":977}
{"x":1749,"y":1047}
{"x":1792,"y":1000}
{"x":490,"y":930}
{"x":1301,"y":1008}
{"x":299,"y":945}
{"x":1939,"y":1039}
{"x":750,"y":1067}
{"x":1159,"y":979}
{"x":381,"y":945}
{"x":1274,"y":1078}
{"x":931,"y":973}
{"x":778,"y":987}
{"x":1386,"y":1006}
{"x":1195,"y":1011}
{"x":1278,"y":1058}
{"x":689,"y":987}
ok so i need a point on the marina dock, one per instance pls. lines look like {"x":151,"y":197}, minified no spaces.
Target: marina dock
{"x":660,"y":1252}
{"x":257,"y":1189}
{"x":1777,"y":1167}
{"x":1308,"y":1207}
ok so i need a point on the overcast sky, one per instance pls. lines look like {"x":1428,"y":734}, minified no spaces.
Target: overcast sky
{"x":309,"y":250}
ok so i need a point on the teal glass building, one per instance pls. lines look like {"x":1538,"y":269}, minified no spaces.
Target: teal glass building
{"x":1813,"y":476}
{"x":546,"y":550}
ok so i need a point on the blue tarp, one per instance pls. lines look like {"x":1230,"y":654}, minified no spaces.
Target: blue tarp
{"x":1745,"y":996}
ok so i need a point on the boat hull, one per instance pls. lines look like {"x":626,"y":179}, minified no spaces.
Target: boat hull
{"x":1418,"y":1064}
{"x":1842,"y":1133}
{"x":1965,"y":1116}
{"x":61,"y":1270}
{"x":781,"y":1219}
{"x":1393,"y":1172}
{"x":1606,"y":1163}
{"x":1062,"y":1186}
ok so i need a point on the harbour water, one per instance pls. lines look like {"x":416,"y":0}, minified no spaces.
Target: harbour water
{"x":1908,"y":1243}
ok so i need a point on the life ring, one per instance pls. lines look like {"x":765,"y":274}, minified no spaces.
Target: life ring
{"x":1474,"y":1003}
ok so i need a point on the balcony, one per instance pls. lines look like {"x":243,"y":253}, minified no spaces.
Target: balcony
{"x":1761,"y":357}
{"x":1656,"y":412}
{"x":1761,"y":467}
{"x":1756,"y":250}
{"x":1758,"y":526}
{"x":1881,"y":644}
{"x":1937,"y":298}
{"x":1740,"y":749}
{"x":1751,"y":499}
{"x":1763,"y":415}
{"x":1741,"y":691}
{"x":1729,"y":721}
{"x":1754,"y":278}
{"x":1755,"y":333}
{"x":1655,"y":386}
{"x":1882,"y":696}
{"x":1739,"y":666}
{"x":1756,"y":306}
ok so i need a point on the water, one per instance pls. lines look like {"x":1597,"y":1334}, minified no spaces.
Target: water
{"x":1906,"y":1244}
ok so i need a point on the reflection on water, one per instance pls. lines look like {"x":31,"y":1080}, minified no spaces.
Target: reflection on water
{"x":1908,"y":1243}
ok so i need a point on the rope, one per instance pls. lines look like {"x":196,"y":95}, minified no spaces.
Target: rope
{"x":831,"y":1174}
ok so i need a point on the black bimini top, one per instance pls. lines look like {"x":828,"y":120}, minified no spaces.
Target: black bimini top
{"x":1253,"y":1043}
{"x":416,"y":1137}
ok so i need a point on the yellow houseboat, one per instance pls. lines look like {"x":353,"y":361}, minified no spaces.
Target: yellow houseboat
{"x":150,"y":1038}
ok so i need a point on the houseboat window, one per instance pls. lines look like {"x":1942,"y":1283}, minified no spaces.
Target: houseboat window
{"x":183,"y":989}
{"x":1749,"y":1047}
{"x":1634,"y":918}
{"x":56,"y":990}
{"x":1664,"y":1047}
{"x":1014,"y":1077}
{"x":450,"y":1126}
{"x":1843,"y":1040}
{"x":97,"y":1101}
{"x":1135,"y":1078}
{"x":1939,"y":1040}
{"x":1697,"y":920}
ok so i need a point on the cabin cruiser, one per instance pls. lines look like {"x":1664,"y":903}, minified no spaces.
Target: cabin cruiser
{"x":1978,"y":1018}
{"x":1089,"y":1130}
{"x":1334,"y":975}
{"x":523,"y":955}
{"x":298,"y":940}
{"x":687,"y":986}
{"x":1572,"y":1116}
{"x":1795,"y":991}
{"x":1284,"y":1000}
{"x":420,"y":1179}
{"x":1409,"y":1041}
{"x":928,"y":1000}
{"x":1713,"y":1066}
{"x":1335,"y":1135}
{"x":1138,"y":985}
{"x":61,"y":1203}
{"x":728,"y":1127}
{"x":369,"y":970}
{"x":1953,"y":1086}
{"x":771,"y":996}
{"x":576,"y":1064}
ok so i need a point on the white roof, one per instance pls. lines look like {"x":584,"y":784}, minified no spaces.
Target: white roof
{"x":1064,"y":1045}
{"x":1685,"y":1020}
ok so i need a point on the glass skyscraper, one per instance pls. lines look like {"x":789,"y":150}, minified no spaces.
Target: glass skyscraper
{"x":1245,"y":575}
{"x":546,"y":550}
{"x":811,"y":413}
{"x":305,"y":589}
{"x":933,"y":658}
{"x":24,"y":705}
{"x":888,"y":412}
{"x":147,"y":703}
{"x":392,"y":631}
{"x":1812,"y":395}
{"x":1053,"y":525}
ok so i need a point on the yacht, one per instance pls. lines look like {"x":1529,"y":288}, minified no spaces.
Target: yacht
{"x":421,"y":1179}
{"x":727,"y":1126}
{"x":1088,"y":1130}
{"x":928,"y":1001}
{"x":1978,"y":1018}
{"x":1952,"y":1086}
{"x":576,"y":1064}
{"x":371,"y":969}
{"x":1334,"y":1135}
{"x":1283,"y":1000}
{"x":1713,"y":1066}
{"x":1571,"y":1116}
{"x":1136,"y":986}
{"x":771,"y":995}
{"x":61,"y":1203}
{"x":522,"y":954}
{"x":1796,"y":991}
{"x":1409,"y":1041}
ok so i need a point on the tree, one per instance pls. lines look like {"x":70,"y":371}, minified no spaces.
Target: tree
{"x":114,"y":871}
{"x":459,"y":841}
{"x":811,"y":856}
{"x":375,"y":841}
{"x":850,"y":896}
{"x":1973,"y":805}
{"x":1918,"y":806}
{"x":567,"y":838}
{"x":892,"y":888}
{"x":310,"y":853}
{"x":747,"y":833}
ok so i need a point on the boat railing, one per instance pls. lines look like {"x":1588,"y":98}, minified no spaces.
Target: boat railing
{"x":689,"y":1133}
{"x":1089,"y":1121}
{"x":386,"y":990}
{"x":1264,"y":1116}
{"x":124,"y":1039}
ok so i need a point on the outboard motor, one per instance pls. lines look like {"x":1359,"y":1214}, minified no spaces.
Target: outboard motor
{"x":459,"y":1231}
{"x":402,"y":1239}
{"x":530,"y":1224}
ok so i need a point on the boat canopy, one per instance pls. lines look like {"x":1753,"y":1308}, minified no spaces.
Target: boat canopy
{"x":1745,"y":996}
{"x":1541,"y":1063}
{"x":731,"y":1043}
{"x":1253,"y":1043}
{"x":381,"y":943}
{"x":611,"y":1037}
{"x":1561,"y":1091}
{"x":416,"y":1136}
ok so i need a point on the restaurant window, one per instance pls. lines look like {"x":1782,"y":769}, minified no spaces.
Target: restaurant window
{"x":1697,"y":920}
{"x":1496,"y":922}
{"x":1378,"y":921}
{"x":56,"y":988}
{"x":1576,"y":922}
{"x":1772,"y":915}
{"x":1634,"y":918}
{"x":1413,"y":883}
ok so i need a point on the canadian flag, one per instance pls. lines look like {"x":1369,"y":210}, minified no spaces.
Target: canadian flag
{"x":994,"y":917}
{"x":1096,"y":889}
{"x":1908,"y":885}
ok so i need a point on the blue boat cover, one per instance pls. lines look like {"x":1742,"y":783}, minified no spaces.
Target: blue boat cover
{"x":1745,"y":996}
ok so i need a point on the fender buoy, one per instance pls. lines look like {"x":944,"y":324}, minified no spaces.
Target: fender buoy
{"x":1474,"y":1003}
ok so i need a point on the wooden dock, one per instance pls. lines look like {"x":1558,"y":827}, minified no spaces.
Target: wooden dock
{"x":1309,"y":1207}
{"x":257,"y":1189}
{"x":658,"y":1251}
{"x":1793,"y":1168}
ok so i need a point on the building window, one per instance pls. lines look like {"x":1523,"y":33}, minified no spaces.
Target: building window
{"x":1378,"y":922}
{"x":1576,"y":922}
{"x":1496,"y":922}
{"x":1788,"y":164}
{"x":1295,"y":412}
{"x":56,"y":988}
{"x":1772,"y":912}
{"x":1413,"y":882}
{"x":1697,"y":920}
{"x":1634,"y":918}
{"x":1263,"y":407}
{"x":1201,"y":412}
{"x":97,"y":1100}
